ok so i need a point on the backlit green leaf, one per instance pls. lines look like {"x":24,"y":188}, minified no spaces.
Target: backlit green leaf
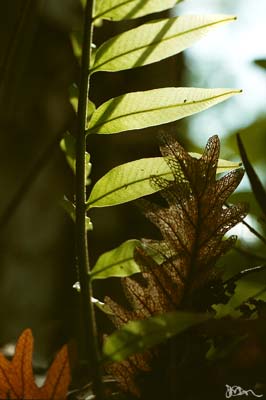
{"x":131,"y":181}
{"x":223,"y":165}
{"x":153,"y":107}
{"x":154,"y":41}
{"x":137,"y":336}
{"x":128,"y":9}
{"x":128,"y":182}
{"x":118,"y":262}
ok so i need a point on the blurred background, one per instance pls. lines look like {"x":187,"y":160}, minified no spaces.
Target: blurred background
{"x":233,"y":57}
{"x":38,"y":67}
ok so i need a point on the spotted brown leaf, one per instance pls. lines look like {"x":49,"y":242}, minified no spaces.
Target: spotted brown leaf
{"x":177,"y":270}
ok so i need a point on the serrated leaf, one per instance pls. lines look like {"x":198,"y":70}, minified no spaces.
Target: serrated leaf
{"x":58,"y":377}
{"x":117,"y":10}
{"x":137,"y":336}
{"x":154,"y":41}
{"x":118,"y":262}
{"x":131,"y":181}
{"x":192,"y":213}
{"x":153,"y":107}
{"x":17,"y":379}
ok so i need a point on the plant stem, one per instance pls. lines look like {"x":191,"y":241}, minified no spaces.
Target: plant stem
{"x":250,"y":228}
{"x":90,"y":329}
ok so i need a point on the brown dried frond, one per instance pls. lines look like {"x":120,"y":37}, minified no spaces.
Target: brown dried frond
{"x":195,"y":222}
{"x":192,"y":225}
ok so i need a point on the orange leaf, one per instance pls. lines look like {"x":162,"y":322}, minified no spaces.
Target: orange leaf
{"x":17,"y":379}
{"x":4,"y":381}
{"x":21,"y":374}
{"x":58,"y":377}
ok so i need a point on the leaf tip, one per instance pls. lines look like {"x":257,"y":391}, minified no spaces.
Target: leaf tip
{"x":26,"y":333}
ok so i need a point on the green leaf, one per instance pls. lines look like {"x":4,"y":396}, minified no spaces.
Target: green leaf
{"x":73,"y":97}
{"x":70,"y":208}
{"x":74,"y":102}
{"x":68,"y":146}
{"x":131,"y":181}
{"x":128,"y":9}
{"x":128,"y":182}
{"x":118,"y":262}
{"x":223,"y":165}
{"x":137,"y":336}
{"x":154,"y":41}
{"x":76,"y":43}
{"x":91,"y":109}
{"x":153,"y":107}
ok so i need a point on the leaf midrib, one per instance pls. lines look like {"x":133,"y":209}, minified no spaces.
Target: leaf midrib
{"x":103,"y":269}
{"x":156,"y":42}
{"x":188,"y":103}
{"x":89,"y":203}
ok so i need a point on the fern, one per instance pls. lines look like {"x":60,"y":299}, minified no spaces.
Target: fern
{"x":148,"y":43}
{"x":192,"y":225}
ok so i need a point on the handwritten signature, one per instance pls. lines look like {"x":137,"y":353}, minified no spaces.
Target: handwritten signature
{"x":232,"y":391}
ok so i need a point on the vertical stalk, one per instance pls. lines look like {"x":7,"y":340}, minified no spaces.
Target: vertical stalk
{"x":90,"y":329}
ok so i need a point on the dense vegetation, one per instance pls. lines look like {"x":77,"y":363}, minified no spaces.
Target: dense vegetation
{"x":184,"y":314}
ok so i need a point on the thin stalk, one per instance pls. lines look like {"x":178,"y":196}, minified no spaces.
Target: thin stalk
{"x":251,"y":229}
{"x":248,"y":254}
{"x":90,"y":329}
{"x":244,"y":272}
